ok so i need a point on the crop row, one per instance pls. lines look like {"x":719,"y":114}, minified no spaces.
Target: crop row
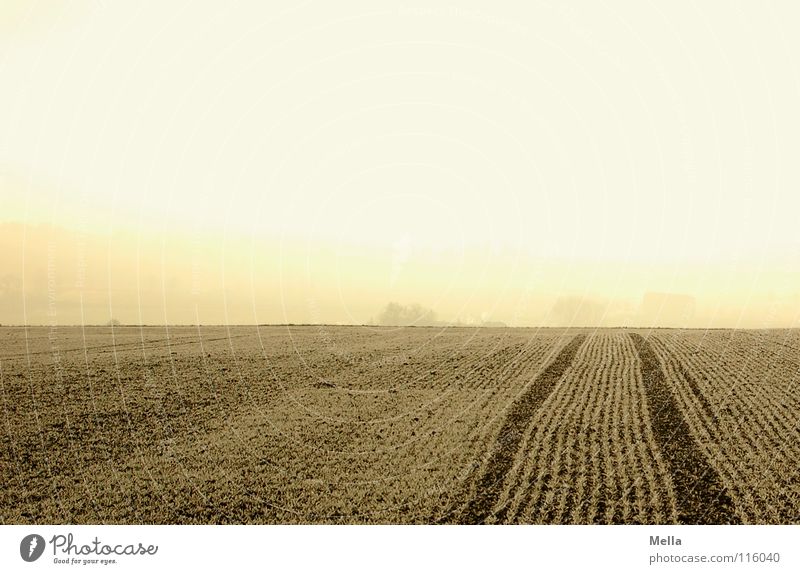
{"x":743,"y":415}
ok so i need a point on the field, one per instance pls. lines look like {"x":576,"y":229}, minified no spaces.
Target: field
{"x":321,"y":424}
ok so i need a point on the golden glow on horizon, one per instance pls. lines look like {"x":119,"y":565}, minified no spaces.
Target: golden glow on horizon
{"x":312,"y":163}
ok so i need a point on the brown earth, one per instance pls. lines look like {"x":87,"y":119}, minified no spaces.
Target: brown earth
{"x":321,"y":424}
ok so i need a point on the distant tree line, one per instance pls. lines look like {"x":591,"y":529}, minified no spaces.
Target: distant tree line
{"x":396,"y":314}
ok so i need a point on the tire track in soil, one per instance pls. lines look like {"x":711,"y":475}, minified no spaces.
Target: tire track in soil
{"x":490,"y":483}
{"x":701,"y":497}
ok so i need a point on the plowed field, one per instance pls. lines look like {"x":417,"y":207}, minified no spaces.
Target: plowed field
{"x":320,"y":424}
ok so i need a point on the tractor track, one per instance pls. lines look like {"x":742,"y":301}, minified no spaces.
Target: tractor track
{"x":489,"y":483}
{"x":701,"y":497}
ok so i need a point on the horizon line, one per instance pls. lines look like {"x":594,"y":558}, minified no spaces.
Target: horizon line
{"x":449,"y":325}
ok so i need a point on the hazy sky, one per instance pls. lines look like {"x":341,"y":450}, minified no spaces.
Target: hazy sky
{"x":608,"y":163}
